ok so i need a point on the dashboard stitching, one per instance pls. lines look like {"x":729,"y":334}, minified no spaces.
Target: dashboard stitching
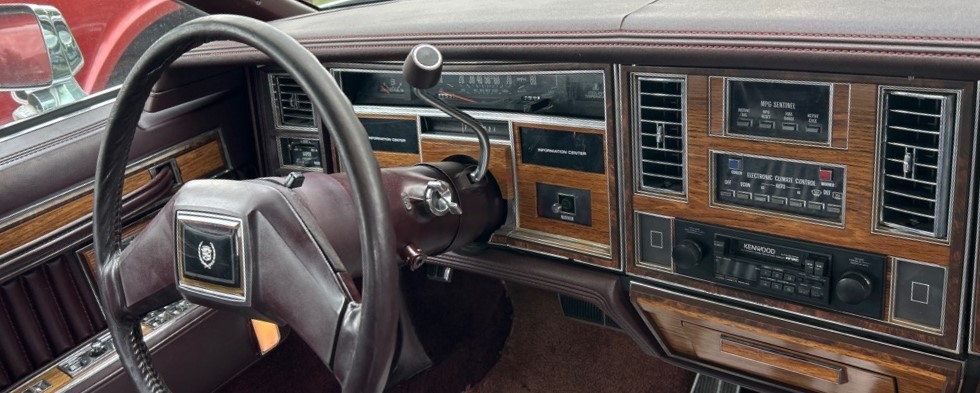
{"x":672,"y":32}
{"x":50,"y":144}
{"x":237,"y":50}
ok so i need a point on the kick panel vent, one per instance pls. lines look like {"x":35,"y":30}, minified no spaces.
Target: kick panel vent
{"x":916,"y":158}
{"x":292,"y":106}
{"x":658,"y":104}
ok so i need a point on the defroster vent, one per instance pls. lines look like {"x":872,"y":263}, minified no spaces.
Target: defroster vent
{"x":916,"y":155}
{"x":292,"y":106}
{"x":659,"y":126}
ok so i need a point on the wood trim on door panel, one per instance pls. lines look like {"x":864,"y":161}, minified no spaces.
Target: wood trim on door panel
{"x":198,"y":159}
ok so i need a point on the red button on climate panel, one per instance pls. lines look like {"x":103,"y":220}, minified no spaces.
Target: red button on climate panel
{"x":826,"y":175}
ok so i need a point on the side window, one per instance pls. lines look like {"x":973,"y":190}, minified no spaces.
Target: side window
{"x":109,"y":35}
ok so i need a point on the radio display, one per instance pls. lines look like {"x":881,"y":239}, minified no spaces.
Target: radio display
{"x":766,"y":252}
{"x":792,"y":111}
{"x":809,"y":190}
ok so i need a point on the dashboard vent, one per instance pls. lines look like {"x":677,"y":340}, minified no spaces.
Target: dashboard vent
{"x":292,"y":106}
{"x":660,"y":134}
{"x":916,"y":156}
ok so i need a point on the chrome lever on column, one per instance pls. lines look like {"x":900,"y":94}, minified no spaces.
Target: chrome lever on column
{"x":439,"y":199}
{"x":422,"y":71}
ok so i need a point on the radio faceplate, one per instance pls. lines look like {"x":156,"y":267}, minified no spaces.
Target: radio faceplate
{"x":815,"y":191}
{"x":826,"y":277}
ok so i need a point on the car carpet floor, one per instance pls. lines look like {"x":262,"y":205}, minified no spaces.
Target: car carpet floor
{"x":463,"y":326}
{"x":547,"y":352}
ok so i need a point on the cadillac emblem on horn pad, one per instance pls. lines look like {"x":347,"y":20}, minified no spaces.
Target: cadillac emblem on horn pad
{"x":211,"y":255}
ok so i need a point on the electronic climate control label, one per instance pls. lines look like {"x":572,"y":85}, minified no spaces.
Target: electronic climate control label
{"x":805,"y":189}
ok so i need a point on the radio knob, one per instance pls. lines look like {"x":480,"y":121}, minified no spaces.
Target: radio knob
{"x":853,"y":287}
{"x":687,"y":253}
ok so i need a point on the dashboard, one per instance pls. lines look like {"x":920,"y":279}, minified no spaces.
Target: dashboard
{"x":784,"y":198}
{"x":825,"y":198}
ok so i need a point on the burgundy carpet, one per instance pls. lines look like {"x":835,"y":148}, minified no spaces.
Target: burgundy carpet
{"x":549,"y":353}
{"x":463,"y":326}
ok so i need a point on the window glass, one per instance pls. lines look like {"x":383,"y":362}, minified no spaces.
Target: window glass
{"x":110,"y":34}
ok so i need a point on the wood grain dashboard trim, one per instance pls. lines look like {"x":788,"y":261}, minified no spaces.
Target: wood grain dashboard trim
{"x":199,"y":158}
{"x":602,"y":251}
{"x":697,"y":329}
{"x":600,"y":185}
{"x":858,"y":154}
{"x":501,"y":164}
{"x":387,"y":159}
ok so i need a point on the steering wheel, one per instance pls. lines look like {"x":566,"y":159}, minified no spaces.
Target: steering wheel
{"x":253,"y":246}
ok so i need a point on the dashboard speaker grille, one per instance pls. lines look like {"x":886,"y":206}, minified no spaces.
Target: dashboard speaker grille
{"x":292,"y":106}
{"x":915,"y":160}
{"x":660,"y":130}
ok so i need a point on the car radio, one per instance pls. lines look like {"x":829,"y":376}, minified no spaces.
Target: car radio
{"x":826,"y":277}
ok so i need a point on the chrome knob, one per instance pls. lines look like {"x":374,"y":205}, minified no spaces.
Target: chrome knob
{"x":439,"y":199}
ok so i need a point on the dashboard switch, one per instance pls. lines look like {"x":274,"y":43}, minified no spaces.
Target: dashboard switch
{"x":826,"y":175}
{"x":566,"y":203}
{"x":735,"y":164}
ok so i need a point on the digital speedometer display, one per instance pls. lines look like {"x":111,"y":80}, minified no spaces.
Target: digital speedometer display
{"x":575,"y":94}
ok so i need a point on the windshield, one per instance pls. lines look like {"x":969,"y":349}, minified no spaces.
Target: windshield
{"x":100,"y":46}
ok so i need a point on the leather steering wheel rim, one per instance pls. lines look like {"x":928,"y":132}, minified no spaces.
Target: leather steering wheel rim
{"x":376,"y":330}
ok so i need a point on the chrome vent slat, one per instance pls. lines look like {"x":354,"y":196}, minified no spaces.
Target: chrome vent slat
{"x":660,"y":130}
{"x":897,"y":177}
{"x":656,"y":162}
{"x":916,"y":162}
{"x":908,"y":146}
{"x":930,"y":132}
{"x":661,"y":95}
{"x":664,"y":122}
{"x":923,"y":214}
{"x":292,"y":106}
{"x":908,"y":112}
{"x":660,"y":108}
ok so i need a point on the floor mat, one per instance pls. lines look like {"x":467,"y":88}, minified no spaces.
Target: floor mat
{"x":547,"y":352}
